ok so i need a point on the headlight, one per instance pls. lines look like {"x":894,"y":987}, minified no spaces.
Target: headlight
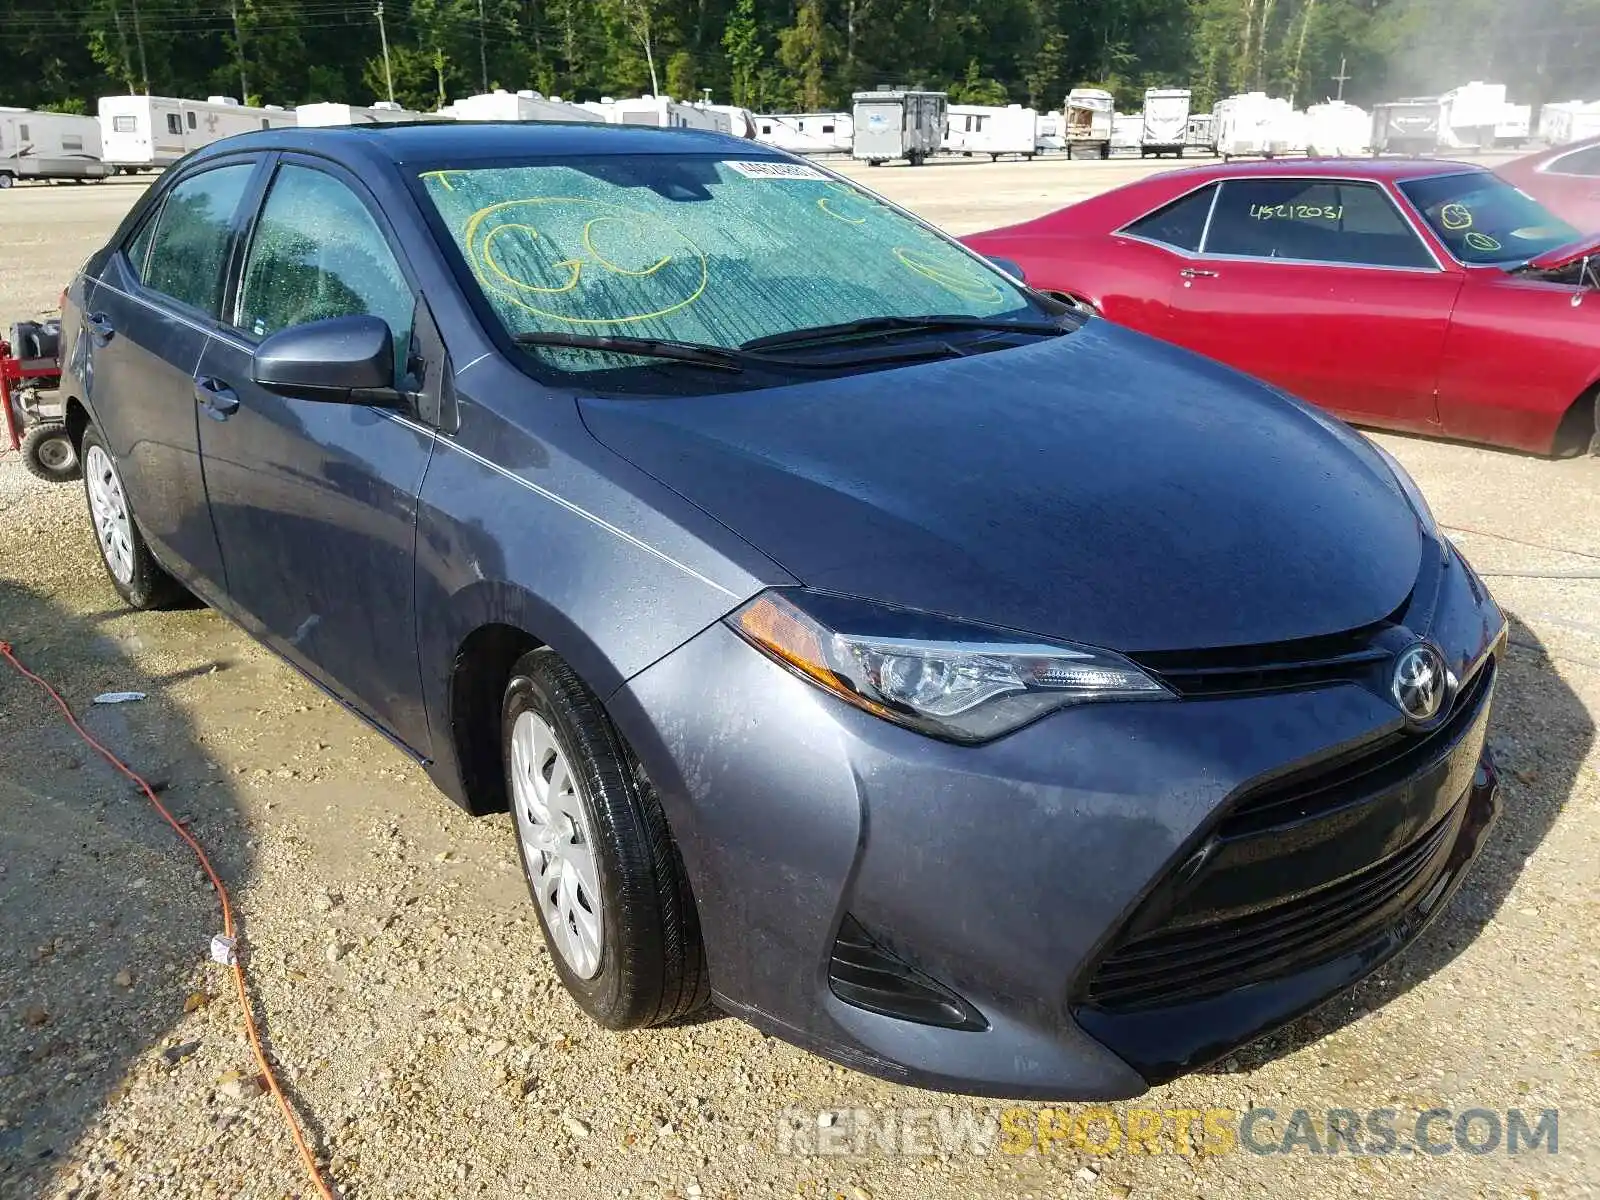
{"x":1419,"y":502}
{"x":949,"y":679}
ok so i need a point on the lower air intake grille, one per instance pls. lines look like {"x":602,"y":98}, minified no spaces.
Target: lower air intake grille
{"x":867,"y":975}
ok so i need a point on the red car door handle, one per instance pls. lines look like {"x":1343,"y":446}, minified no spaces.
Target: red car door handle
{"x":1197,"y":273}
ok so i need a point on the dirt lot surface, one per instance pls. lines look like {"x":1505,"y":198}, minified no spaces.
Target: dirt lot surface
{"x":402,"y":984}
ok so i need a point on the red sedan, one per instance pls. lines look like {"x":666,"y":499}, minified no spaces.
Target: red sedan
{"x":1565,"y":179}
{"x":1418,"y":295}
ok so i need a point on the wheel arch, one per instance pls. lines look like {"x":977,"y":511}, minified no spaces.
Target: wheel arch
{"x":77,"y":421}
{"x":1579,"y":429}
{"x":467,"y":661}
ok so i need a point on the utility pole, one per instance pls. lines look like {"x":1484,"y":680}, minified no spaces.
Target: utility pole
{"x":1340,"y":78}
{"x":383,"y":34}
{"x":483,"y":48}
{"x":122,"y":36}
{"x":238,"y":44}
{"x":138,"y":37}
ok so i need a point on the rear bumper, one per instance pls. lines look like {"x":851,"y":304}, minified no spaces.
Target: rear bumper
{"x":1011,"y":874}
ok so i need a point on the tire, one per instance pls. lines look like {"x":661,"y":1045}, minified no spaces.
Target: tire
{"x":132,"y":569}
{"x":645,"y":965}
{"x":48,"y":453}
{"x":5,"y":180}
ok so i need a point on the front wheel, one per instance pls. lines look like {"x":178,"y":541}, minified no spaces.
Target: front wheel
{"x":604,"y":873}
{"x":134,"y":572}
{"x":48,"y":453}
{"x":5,"y":180}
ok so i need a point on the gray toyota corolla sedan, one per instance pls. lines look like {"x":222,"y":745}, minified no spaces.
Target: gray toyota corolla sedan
{"x":938,"y":677}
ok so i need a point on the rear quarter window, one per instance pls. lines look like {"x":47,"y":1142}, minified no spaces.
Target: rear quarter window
{"x":1179,"y":224}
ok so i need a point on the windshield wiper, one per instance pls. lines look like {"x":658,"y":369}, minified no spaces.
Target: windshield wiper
{"x":823,"y":334}
{"x":698,"y":353}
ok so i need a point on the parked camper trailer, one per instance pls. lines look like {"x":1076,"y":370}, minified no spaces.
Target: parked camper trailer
{"x":1200,"y":135}
{"x":1568,"y":121}
{"x":985,"y":129}
{"x":1287,"y":134}
{"x":41,"y":145}
{"x":1051,"y":134}
{"x":1166,"y":122}
{"x":806,"y":133}
{"x":741,"y":121}
{"x":898,"y":124}
{"x":1515,"y":126}
{"x":1127,"y":131}
{"x":1468,"y":115}
{"x":1337,"y":130}
{"x":381,"y":112}
{"x":659,"y":112}
{"x":140,"y":132}
{"x":1090,"y":113}
{"x":1410,"y":126}
{"x":501,"y":105}
{"x":1242,"y":124}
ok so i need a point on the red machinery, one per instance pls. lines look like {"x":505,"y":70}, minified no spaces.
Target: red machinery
{"x":33,"y":422}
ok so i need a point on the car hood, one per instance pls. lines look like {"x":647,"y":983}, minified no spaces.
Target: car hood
{"x":1101,"y":486}
{"x":1562,"y":256}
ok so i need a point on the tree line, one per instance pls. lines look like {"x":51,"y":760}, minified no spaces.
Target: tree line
{"x":795,"y":55}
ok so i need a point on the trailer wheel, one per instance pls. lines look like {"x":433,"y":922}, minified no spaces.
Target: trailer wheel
{"x":48,"y":453}
{"x":5,"y":180}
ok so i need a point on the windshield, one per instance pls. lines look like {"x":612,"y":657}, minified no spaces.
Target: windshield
{"x":1483,"y":219}
{"x":691,"y":248}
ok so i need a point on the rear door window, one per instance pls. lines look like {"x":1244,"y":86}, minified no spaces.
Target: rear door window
{"x":1179,"y":224}
{"x":188,"y":257}
{"x":1313,"y":220}
{"x":1585,"y":162}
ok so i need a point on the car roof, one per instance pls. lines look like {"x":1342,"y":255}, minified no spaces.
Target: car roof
{"x":1342,"y":168}
{"x":433,"y":141}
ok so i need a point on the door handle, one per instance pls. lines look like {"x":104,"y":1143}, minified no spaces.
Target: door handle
{"x":217,"y":399}
{"x":1197,"y":273}
{"x":99,"y":327}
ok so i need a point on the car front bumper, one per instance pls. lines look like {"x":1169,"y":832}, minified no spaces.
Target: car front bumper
{"x":1122,"y":891}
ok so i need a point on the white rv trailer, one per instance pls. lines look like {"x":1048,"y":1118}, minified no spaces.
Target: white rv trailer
{"x":501,"y":105}
{"x":1166,"y":122}
{"x":1127,"y":131}
{"x":381,"y":112}
{"x":741,"y":121}
{"x":898,"y":124}
{"x":1568,"y":121}
{"x":1090,"y":113}
{"x":1288,"y":132}
{"x":1469,"y":114}
{"x":1515,"y":125}
{"x":41,"y":145}
{"x":661,"y":112}
{"x":1337,"y":130}
{"x":1200,"y":135}
{"x":1052,"y":132}
{"x":1253,"y":125}
{"x":985,"y":129}
{"x":807,"y":133}
{"x":139,"y":132}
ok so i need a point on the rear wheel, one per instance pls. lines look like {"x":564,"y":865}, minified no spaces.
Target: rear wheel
{"x":5,"y":180}
{"x":601,"y":865}
{"x":134,"y":572}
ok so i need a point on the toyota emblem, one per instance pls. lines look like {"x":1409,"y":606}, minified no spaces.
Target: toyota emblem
{"x":1422,"y":683}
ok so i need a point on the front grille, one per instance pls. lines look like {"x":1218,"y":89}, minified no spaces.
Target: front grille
{"x":1301,"y":870}
{"x":1169,"y":968}
{"x":1372,"y":768}
{"x":1247,"y":670}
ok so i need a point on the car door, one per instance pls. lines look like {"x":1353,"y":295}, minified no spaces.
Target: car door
{"x":315,"y":502}
{"x":1322,"y":287}
{"x":146,"y":320}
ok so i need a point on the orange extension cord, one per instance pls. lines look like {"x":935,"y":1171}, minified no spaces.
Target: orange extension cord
{"x":306,"y":1156}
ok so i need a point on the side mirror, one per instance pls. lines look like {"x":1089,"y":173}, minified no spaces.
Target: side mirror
{"x":1011,"y":268}
{"x":342,"y":360}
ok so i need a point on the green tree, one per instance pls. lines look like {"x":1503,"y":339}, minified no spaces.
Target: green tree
{"x":741,"y":40}
{"x":977,"y":89}
{"x":810,"y":50}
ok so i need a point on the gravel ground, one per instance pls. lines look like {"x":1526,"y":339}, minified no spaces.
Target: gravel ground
{"x":400,"y":978}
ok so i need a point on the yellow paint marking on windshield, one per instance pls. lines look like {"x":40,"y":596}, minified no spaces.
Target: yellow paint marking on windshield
{"x":443,"y":177}
{"x":968,"y":286}
{"x":1455,"y":217}
{"x":588,"y":245}
{"x":480,"y":231}
{"x":1482,"y":241}
{"x":822,"y":203}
